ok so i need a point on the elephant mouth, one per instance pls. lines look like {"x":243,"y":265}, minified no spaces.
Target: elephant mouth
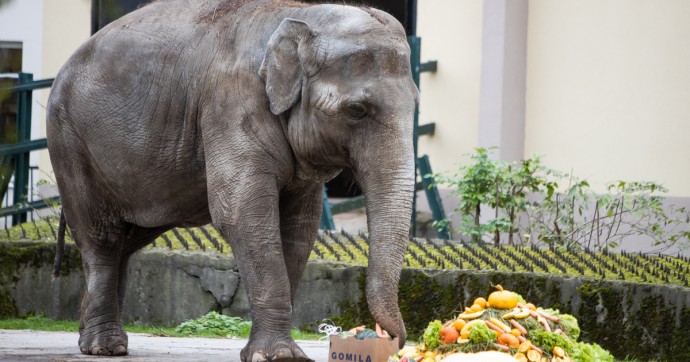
{"x":316,"y":173}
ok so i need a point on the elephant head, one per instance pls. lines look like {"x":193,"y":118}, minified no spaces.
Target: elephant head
{"x":343,"y":84}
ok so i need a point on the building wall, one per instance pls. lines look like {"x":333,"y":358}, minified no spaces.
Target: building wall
{"x":608,"y":89}
{"x":67,"y":25}
{"x":451,"y":32}
{"x":607,"y":83}
{"x":22,"y":21}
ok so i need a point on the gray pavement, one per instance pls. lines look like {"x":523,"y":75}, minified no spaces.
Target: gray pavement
{"x":28,"y":345}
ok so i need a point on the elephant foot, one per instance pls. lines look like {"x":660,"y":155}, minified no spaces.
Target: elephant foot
{"x":105,"y":342}
{"x":271,"y":350}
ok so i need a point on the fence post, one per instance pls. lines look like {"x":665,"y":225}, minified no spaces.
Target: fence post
{"x":21,"y":171}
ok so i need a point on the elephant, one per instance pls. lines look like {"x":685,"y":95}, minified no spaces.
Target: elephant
{"x":234,"y":112}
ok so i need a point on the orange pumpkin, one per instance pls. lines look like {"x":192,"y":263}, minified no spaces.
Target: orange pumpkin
{"x":503,"y":299}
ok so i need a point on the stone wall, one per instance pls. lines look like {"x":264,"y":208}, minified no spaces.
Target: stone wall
{"x":165,"y":288}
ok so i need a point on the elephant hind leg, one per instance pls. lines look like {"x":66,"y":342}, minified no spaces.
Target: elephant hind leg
{"x":105,"y":257}
{"x":100,"y":326}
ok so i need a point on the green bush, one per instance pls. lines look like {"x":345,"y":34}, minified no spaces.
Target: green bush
{"x":216,"y":323}
{"x":533,"y":204}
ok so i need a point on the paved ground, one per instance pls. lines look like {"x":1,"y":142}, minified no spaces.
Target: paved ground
{"x":27,"y":345}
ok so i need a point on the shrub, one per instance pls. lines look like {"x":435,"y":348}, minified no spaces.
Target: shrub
{"x":533,"y":204}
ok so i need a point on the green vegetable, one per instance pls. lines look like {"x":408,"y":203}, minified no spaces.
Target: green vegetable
{"x":431,"y":335}
{"x":547,"y":340}
{"x":216,"y":323}
{"x":569,"y":325}
{"x":520,"y":298}
{"x":549,"y":311}
{"x":482,"y":334}
{"x":586,"y":352}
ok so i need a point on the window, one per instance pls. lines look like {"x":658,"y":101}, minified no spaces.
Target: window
{"x":10,"y":57}
{"x":10,"y":65}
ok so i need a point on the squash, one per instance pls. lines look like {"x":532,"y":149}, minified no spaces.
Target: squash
{"x":503,"y":299}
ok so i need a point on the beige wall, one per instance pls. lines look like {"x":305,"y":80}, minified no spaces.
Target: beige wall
{"x":67,"y":24}
{"x":608,"y":83}
{"x":608,"y":89}
{"x":451,"y":32}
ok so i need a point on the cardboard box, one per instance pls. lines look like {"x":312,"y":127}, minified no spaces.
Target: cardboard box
{"x":351,"y":349}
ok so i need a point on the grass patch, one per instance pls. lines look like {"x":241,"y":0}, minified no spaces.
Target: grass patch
{"x":212,"y":325}
{"x":40,"y":323}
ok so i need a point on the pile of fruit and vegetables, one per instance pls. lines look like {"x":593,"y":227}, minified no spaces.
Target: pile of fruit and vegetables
{"x":506,"y":323}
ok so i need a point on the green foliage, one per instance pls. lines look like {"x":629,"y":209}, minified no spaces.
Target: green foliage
{"x":431,"y":334}
{"x":590,"y":352}
{"x":569,"y":325}
{"x":40,"y":323}
{"x":547,"y":340}
{"x":44,"y":229}
{"x":563,"y":212}
{"x":434,"y":254}
{"x":43,"y":323}
{"x":482,"y":334}
{"x":216,"y":323}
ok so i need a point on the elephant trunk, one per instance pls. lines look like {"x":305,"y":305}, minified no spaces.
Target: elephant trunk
{"x":388,"y":191}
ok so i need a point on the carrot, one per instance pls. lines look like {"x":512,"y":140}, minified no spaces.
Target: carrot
{"x":543,"y":322}
{"x":547,"y":316}
{"x":519,"y":326}
{"x":502,"y":347}
{"x":522,"y":339}
{"x":494,"y":328}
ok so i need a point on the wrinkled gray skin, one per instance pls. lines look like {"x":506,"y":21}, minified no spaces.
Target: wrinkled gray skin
{"x":233,"y":112}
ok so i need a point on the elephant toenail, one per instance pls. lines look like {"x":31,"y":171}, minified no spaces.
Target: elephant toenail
{"x":283,"y":353}
{"x":120,"y":351}
{"x":259,"y":357}
{"x":100,"y":351}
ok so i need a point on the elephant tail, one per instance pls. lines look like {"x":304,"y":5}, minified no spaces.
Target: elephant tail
{"x":60,"y":247}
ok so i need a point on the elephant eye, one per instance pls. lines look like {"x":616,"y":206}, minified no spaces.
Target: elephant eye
{"x":356,"y":110}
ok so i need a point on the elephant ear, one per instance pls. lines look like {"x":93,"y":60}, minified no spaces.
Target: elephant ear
{"x":283,"y":66}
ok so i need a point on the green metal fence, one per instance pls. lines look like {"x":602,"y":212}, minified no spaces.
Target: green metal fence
{"x":14,"y":157}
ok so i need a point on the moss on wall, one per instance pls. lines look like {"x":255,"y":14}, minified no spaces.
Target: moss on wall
{"x":17,"y":255}
{"x":8,"y":308}
{"x":355,"y":312}
{"x":423,"y":299}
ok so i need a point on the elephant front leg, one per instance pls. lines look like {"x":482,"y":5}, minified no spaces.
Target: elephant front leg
{"x":254,"y":233}
{"x":300,"y":214}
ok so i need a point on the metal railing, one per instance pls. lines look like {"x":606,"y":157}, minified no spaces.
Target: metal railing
{"x":17,"y":181}
{"x":34,"y":205}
